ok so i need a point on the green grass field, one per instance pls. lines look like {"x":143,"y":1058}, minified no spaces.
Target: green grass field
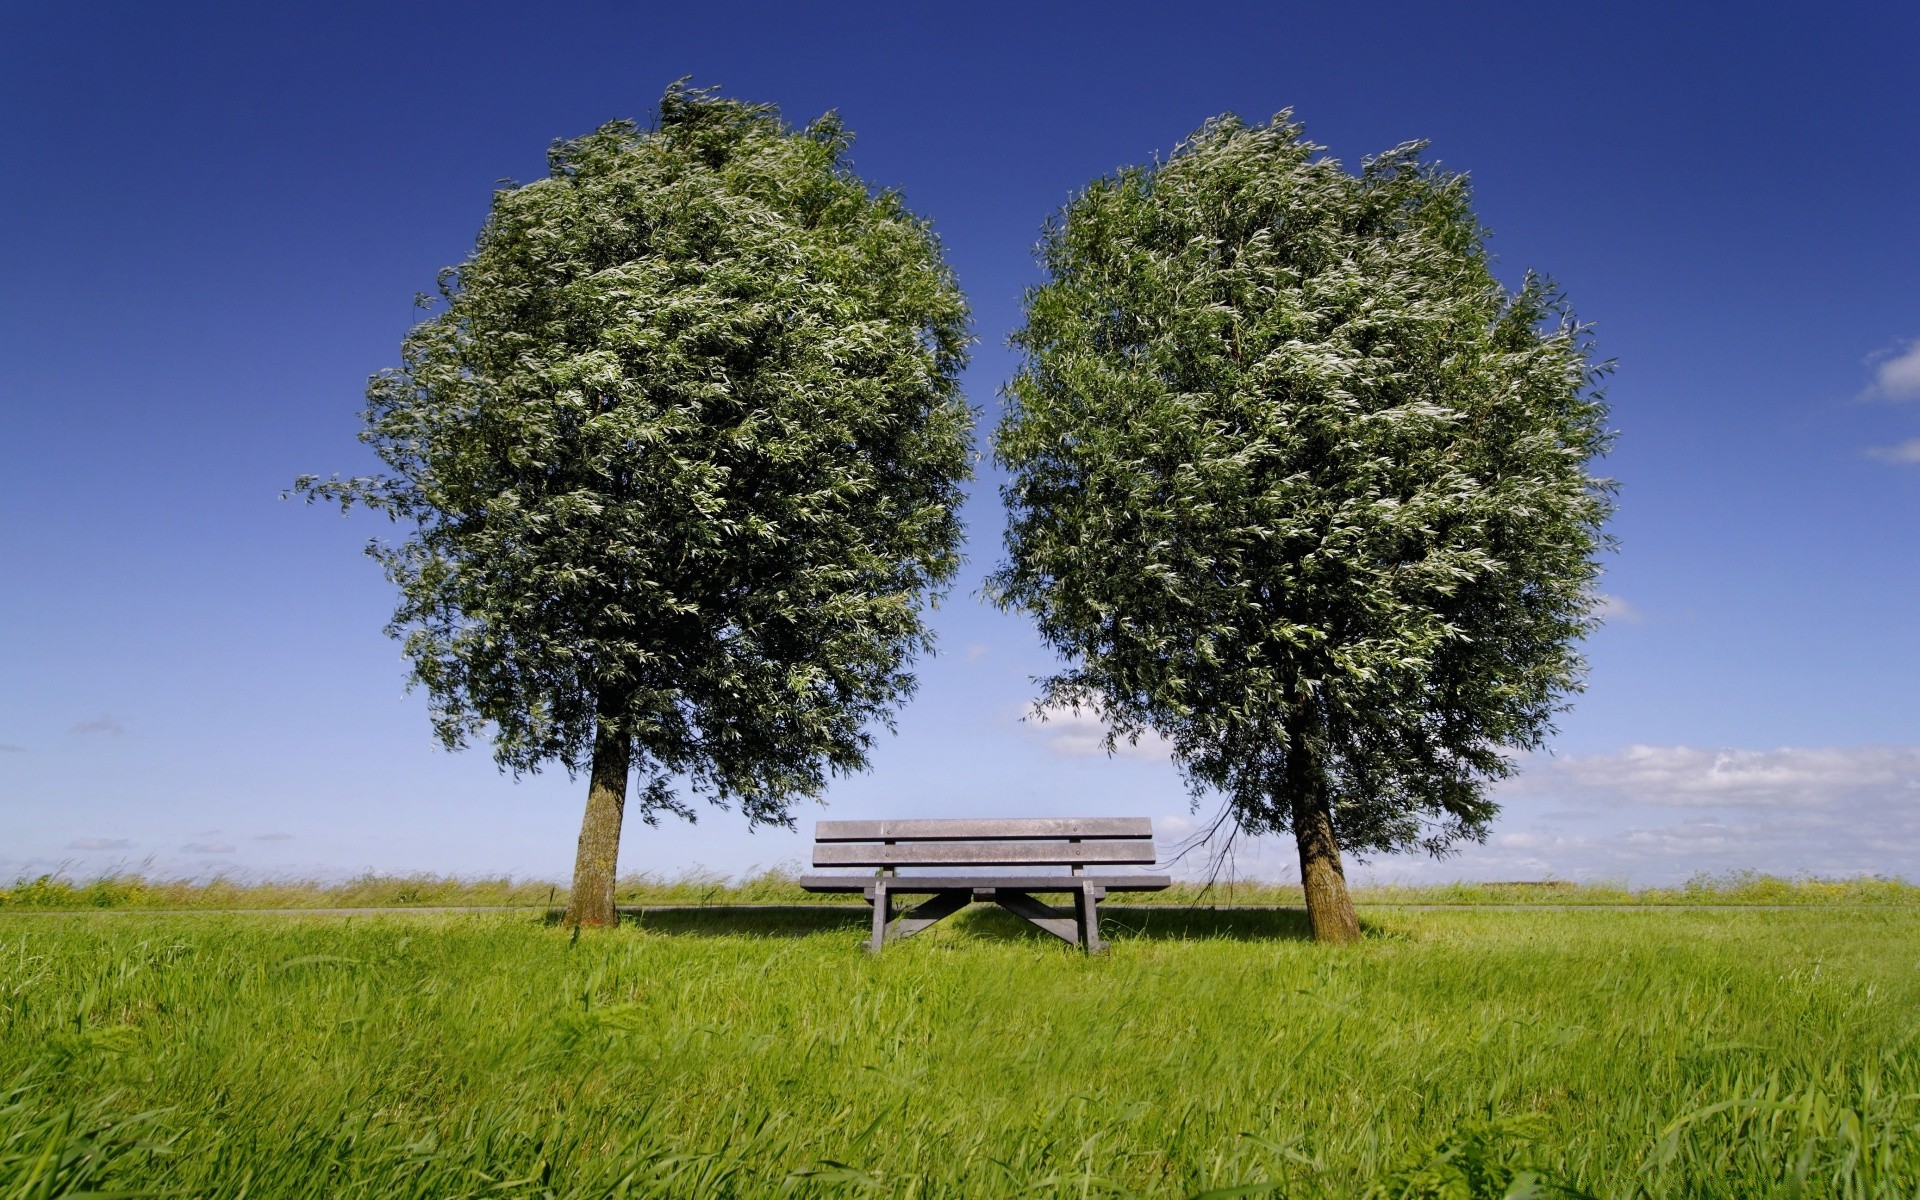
{"x":1659,"y":1052}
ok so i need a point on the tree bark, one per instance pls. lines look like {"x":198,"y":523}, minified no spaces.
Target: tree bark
{"x":1329,"y":907}
{"x":598,"y":857}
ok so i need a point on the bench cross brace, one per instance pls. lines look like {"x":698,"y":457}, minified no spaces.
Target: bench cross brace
{"x":1078,"y":926}
{"x":915,"y":920}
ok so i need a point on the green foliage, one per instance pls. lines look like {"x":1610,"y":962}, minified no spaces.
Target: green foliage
{"x":1483,"y":1160}
{"x":1624,"y":1054}
{"x":682,"y":454}
{"x":1734,"y":888}
{"x":53,"y":891}
{"x":65,"y":1151}
{"x":1293,"y":473}
{"x":1855,"y":1146}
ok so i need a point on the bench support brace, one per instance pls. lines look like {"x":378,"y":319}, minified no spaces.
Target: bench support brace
{"x":1078,"y":926}
{"x":915,"y":920}
{"x":1057,"y":922}
{"x":927,"y":913}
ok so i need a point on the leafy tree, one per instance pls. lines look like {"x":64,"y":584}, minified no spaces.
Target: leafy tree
{"x":682,"y":455}
{"x":1296,"y":482}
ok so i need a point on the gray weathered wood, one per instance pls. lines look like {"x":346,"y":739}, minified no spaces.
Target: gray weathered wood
{"x":882,"y":901}
{"x":1055,"y":921}
{"x":1023,"y":881}
{"x":1086,"y":911}
{"x":928,"y":912}
{"x":985,"y":895}
{"x":983,"y":854}
{"x":1075,"y":843}
{"x":983,"y":829}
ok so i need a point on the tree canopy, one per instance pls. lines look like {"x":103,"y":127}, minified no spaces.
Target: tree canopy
{"x":1295,"y":481}
{"x":681,"y":452}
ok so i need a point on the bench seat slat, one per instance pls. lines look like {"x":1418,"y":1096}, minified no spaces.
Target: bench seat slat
{"x":979,"y":854}
{"x":983,"y":829}
{"x":917,"y":885}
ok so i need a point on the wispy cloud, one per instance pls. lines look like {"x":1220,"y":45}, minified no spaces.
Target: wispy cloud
{"x":1080,"y":733}
{"x":207,"y":848}
{"x":105,"y":723}
{"x":1665,"y":812}
{"x":1616,"y":608}
{"x":1807,"y":778}
{"x":1659,"y":814}
{"x":1896,"y":373}
{"x":273,"y":837}
{"x":98,"y":843}
{"x":10,"y":748}
{"x":1905,"y":453}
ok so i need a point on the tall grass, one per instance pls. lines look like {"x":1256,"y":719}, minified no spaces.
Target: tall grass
{"x":133,"y":891}
{"x":1619,"y":1053}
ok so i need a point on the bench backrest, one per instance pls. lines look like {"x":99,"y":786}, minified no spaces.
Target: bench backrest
{"x":1032,"y":842}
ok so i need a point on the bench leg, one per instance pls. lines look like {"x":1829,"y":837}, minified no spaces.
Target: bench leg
{"x":1086,"y":916}
{"x":882,"y":901}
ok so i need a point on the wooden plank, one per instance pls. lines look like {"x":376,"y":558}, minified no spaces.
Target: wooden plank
{"x":985,"y":895}
{"x":979,"y":854}
{"x":983,"y":829}
{"x":928,"y":913}
{"x":926,"y":884}
{"x":1056,"y":922}
{"x":1086,"y":906}
{"x":882,"y":901}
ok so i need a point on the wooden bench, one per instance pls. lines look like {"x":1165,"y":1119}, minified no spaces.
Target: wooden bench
{"x":1073,"y":843}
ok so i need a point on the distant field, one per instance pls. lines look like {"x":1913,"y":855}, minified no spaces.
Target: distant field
{"x":774,"y":887}
{"x":1698,"y":1052}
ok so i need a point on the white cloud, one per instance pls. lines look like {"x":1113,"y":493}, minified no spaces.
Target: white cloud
{"x":1691,"y":777}
{"x":1080,"y":733}
{"x":1177,"y":826}
{"x":1661,"y":813}
{"x":273,"y":837}
{"x":1616,"y":608}
{"x":104,"y":723}
{"x":98,"y":843}
{"x":976,"y":652}
{"x":1897,"y":375}
{"x":207,"y":848}
{"x":1905,"y":453}
{"x":1655,"y":815}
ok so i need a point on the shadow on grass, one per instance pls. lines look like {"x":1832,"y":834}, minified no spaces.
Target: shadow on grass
{"x":1118,"y":922}
{"x":768,"y":920}
{"x":1125,"y":923}
{"x":1170,"y":924}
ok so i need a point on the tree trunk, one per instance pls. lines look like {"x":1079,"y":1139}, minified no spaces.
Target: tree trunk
{"x":599,"y":854}
{"x":1329,"y":907}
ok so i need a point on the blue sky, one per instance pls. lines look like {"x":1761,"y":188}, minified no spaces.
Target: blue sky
{"x":217,"y":217}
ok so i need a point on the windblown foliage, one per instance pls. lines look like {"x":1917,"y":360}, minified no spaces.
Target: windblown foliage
{"x":682,"y":453}
{"x":1289,"y":465}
